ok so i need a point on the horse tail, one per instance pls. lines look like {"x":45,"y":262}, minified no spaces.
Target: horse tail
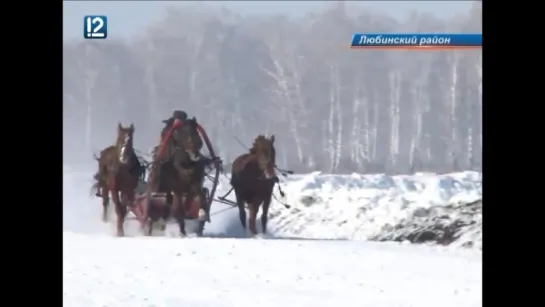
{"x":94,"y":188}
{"x":97,"y":185}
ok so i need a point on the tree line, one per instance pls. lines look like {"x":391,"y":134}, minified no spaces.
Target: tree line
{"x":331,"y":108}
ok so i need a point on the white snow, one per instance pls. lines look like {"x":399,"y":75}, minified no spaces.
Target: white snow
{"x":306,"y":270}
{"x":198,"y":272}
{"x":358,"y":206}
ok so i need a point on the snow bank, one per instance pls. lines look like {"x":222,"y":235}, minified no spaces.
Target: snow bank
{"x":364,"y":207}
{"x":456,"y":224}
{"x":420,"y":207}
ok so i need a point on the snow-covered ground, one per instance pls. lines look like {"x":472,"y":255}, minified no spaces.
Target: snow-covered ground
{"x":315,"y":254}
{"x":100,"y":270}
{"x":349,"y":207}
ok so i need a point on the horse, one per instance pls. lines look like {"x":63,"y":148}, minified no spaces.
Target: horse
{"x":179,"y":169}
{"x":119,"y":170}
{"x":253,"y":178}
{"x":157,"y":210}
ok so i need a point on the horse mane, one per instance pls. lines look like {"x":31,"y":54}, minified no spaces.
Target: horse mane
{"x":259,"y":141}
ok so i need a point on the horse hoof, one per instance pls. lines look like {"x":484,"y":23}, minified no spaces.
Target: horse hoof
{"x":120,"y":233}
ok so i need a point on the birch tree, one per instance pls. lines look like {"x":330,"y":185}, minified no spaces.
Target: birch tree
{"x":395,"y":89}
{"x":454,"y":59}
{"x":285,"y":76}
{"x":332,"y":109}
{"x":360,"y":134}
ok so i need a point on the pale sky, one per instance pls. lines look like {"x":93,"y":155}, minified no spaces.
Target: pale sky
{"x":126,"y":18}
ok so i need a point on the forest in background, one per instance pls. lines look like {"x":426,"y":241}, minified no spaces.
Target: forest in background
{"x":332,"y":109}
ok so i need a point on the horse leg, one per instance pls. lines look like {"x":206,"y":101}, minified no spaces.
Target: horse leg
{"x":121,"y":211}
{"x":121,"y":214}
{"x":253,"y":216}
{"x":241,"y":209}
{"x":127,"y":202}
{"x":179,"y":213}
{"x":105,"y":203}
{"x":200,"y":230}
{"x":264,"y":214}
{"x":203,"y":202}
{"x":144,"y":210}
{"x":150,"y":230}
{"x":165,"y":215}
{"x":130,"y":196}
{"x":198,"y":197}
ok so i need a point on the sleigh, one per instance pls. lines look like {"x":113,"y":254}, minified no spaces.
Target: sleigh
{"x":159,"y":206}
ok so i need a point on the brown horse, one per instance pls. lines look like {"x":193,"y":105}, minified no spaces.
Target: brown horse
{"x":179,"y":169}
{"x":118,"y":173}
{"x":253,"y":178}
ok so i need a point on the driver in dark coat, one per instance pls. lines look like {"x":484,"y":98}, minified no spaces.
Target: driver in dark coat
{"x":177,"y":114}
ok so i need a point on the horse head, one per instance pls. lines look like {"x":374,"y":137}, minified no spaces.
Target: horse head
{"x":263,"y":149}
{"x":186,"y":135}
{"x":124,"y":142}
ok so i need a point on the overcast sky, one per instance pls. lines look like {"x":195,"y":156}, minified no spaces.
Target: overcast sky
{"x":126,"y":18}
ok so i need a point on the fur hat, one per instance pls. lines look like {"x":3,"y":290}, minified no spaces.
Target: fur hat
{"x":177,"y":114}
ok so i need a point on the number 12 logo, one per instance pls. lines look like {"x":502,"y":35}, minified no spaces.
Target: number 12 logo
{"x":95,"y":27}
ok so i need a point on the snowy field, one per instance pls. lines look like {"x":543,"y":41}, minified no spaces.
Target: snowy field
{"x":316,"y":253}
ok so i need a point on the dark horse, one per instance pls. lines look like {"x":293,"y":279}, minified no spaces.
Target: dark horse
{"x":253,"y":178}
{"x":179,"y":171}
{"x":118,"y":173}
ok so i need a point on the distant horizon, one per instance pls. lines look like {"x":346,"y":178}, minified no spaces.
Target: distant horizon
{"x":128,"y":18}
